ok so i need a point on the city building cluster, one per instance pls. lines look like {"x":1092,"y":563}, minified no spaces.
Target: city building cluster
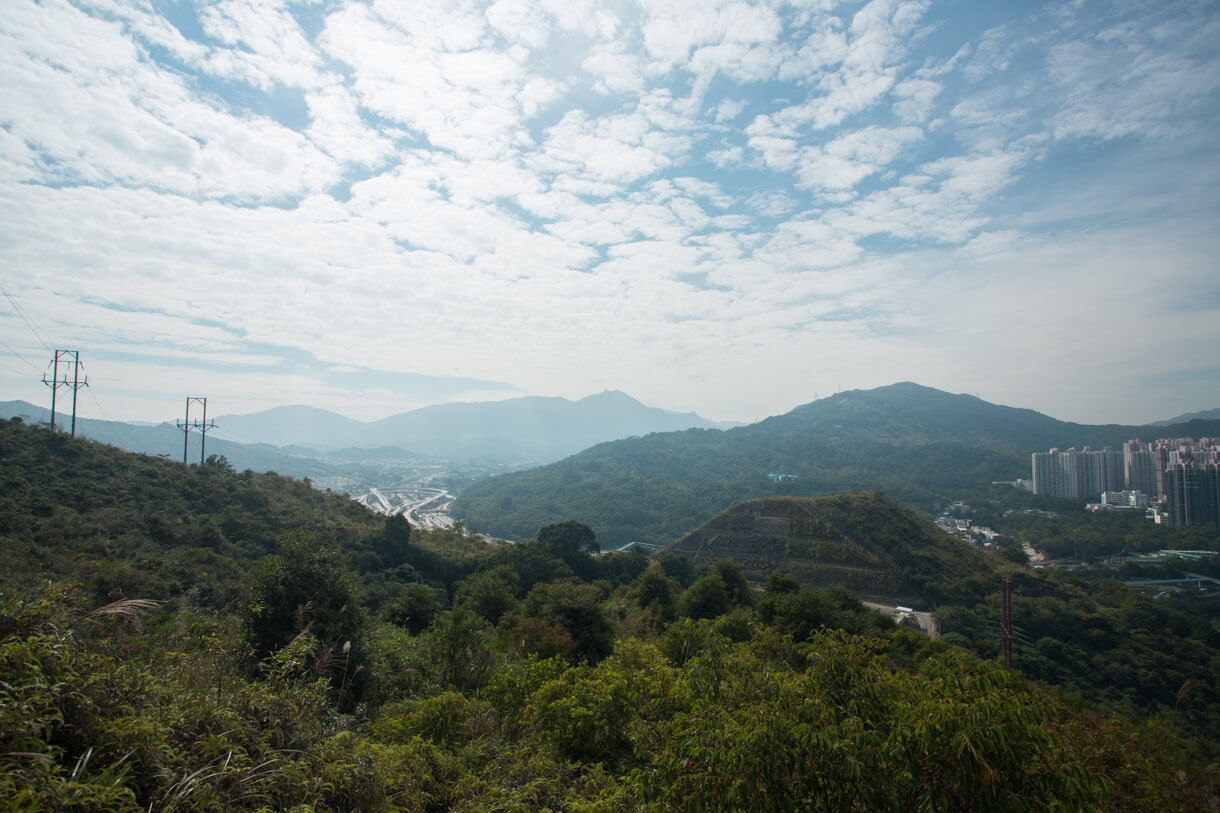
{"x":964,"y":528}
{"x":1182,"y":476}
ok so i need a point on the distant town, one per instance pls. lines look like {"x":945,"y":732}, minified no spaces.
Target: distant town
{"x":1176,"y":481}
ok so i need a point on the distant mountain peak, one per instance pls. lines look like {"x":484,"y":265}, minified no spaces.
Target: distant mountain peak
{"x":1205,"y":415}
{"x":609,"y":396}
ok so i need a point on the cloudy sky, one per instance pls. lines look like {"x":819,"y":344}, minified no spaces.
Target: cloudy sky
{"x":725,"y":207}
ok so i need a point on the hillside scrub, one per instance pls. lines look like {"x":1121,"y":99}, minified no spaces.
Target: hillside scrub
{"x":525,"y":677}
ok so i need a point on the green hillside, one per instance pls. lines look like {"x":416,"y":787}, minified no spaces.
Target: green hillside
{"x":143,"y":526}
{"x":865,"y":542}
{"x":197,"y":639}
{"x":912,"y":443}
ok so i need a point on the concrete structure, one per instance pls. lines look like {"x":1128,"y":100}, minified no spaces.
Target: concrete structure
{"x":1077,"y":474}
{"x":1125,"y":499}
{"x":1141,"y":467}
{"x":1192,"y":491}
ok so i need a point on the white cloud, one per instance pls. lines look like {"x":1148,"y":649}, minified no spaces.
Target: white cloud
{"x":571,"y":195}
{"x":520,"y":21}
{"x":266,"y":46}
{"x":1136,"y":80}
{"x":105,"y":117}
{"x":916,"y":99}
{"x":616,"y":72}
{"x":728,"y":109}
{"x":337,"y":128}
{"x":618,"y":149}
{"x":462,"y":96}
{"x":944,"y":204}
{"x":849,"y":159}
{"x":992,"y":54}
{"x":673,"y":29}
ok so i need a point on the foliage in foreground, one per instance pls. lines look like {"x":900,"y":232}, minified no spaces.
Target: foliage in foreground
{"x":108,"y":711}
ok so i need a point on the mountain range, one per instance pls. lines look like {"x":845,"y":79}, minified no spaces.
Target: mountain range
{"x":306,"y":441}
{"x":514,"y":430}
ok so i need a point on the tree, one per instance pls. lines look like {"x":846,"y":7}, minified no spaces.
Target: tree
{"x":577,"y":609}
{"x":739,"y":590}
{"x":490,"y":593}
{"x":677,"y":567}
{"x":415,"y":607}
{"x":458,"y":649}
{"x":706,"y":598}
{"x":574,"y":543}
{"x":393,"y":544}
{"x":219,"y":461}
{"x":848,"y":731}
{"x":569,"y":537}
{"x":307,"y":586}
{"x":1015,"y":554}
{"x":779,"y":583}
{"x":657,"y":591}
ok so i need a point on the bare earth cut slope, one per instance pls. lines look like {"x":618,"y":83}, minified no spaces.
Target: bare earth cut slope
{"x":864,"y":542}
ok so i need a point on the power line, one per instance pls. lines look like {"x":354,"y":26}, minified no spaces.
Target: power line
{"x":18,"y":355}
{"x":21,"y":313}
{"x":97,"y":403}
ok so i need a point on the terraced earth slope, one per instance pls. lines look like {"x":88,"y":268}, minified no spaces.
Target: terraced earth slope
{"x":865,"y":542}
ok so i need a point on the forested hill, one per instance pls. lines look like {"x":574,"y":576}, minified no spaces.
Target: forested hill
{"x":909,"y":412}
{"x":913,"y":443}
{"x":133,"y":525}
{"x":864,"y":542}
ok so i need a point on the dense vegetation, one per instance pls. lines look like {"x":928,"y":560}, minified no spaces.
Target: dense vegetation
{"x":654,"y":489}
{"x":310,"y":655}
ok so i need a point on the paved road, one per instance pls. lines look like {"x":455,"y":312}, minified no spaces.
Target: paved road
{"x":925,"y":620}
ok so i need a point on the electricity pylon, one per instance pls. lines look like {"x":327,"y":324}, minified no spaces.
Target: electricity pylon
{"x":76,"y":383}
{"x":202,"y":425}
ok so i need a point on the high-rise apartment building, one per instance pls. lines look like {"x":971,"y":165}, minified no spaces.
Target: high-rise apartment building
{"x":1146,"y":467}
{"x":1192,"y":491}
{"x":1140,"y":467}
{"x":1078,"y":474}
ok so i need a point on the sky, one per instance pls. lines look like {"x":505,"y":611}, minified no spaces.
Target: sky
{"x":731,"y":208}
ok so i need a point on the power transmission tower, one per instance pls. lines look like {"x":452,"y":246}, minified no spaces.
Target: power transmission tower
{"x":76,"y":383}
{"x":202,"y":425}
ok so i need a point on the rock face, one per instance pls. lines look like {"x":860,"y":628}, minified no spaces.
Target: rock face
{"x":864,"y":542}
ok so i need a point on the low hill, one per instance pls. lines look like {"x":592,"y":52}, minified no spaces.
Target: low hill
{"x":130,"y":524}
{"x":166,"y":440}
{"x":296,"y":425}
{"x":916,"y":444}
{"x":865,"y":542}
